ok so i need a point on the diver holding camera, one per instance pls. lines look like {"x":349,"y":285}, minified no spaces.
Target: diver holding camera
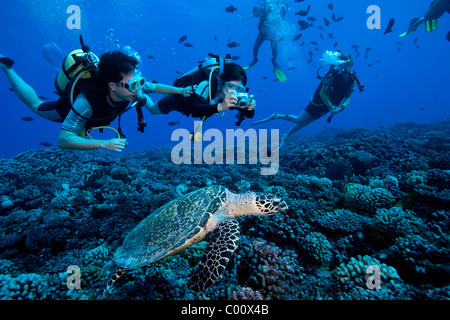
{"x":217,"y":85}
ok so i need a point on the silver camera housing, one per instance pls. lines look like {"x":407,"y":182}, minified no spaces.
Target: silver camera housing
{"x":243,"y":100}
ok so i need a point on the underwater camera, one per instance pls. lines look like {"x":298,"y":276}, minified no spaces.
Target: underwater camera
{"x":243,"y":100}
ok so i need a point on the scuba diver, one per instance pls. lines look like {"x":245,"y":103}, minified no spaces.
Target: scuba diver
{"x":335,"y":87}
{"x":93,"y":92}
{"x":217,"y":85}
{"x":437,"y":9}
{"x":271,"y":14}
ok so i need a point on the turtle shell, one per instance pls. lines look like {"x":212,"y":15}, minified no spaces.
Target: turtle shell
{"x":171,"y":228}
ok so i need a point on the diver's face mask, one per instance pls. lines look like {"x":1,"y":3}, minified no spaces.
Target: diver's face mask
{"x":228,"y":86}
{"x":345,"y":66}
{"x":134,"y":84}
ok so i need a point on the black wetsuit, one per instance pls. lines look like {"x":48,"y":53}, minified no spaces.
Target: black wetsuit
{"x":92,"y":102}
{"x":196,"y":105}
{"x":340,"y":86}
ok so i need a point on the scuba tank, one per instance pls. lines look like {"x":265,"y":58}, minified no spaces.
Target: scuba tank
{"x":54,"y":55}
{"x":79,"y":60}
{"x":83,"y":64}
{"x":205,"y":71}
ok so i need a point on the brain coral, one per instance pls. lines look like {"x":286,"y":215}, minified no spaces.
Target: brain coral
{"x":357,"y":269}
{"x":318,"y":249}
{"x":342,"y":220}
{"x":367,"y":199}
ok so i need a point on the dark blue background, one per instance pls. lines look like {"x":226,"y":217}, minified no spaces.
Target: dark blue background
{"x":411,"y":85}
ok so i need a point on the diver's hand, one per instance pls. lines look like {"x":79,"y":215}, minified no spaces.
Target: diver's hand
{"x":252,"y":105}
{"x":334,"y":110}
{"x":115,"y":144}
{"x":229,"y":101}
{"x":186,"y":92}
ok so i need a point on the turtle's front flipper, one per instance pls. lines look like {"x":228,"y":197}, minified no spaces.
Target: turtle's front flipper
{"x":112,"y":278}
{"x":224,"y":240}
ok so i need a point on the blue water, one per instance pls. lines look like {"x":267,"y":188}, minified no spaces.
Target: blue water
{"x":411,"y":85}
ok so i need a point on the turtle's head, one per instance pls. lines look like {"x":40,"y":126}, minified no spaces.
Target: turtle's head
{"x":253,"y":204}
{"x":269,"y":204}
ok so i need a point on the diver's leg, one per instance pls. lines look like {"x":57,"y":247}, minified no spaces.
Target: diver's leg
{"x":301,"y":121}
{"x":274,"y":46}
{"x":258,"y":42}
{"x":277,"y":116}
{"x":23,"y":90}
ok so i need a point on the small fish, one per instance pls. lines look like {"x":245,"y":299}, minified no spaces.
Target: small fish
{"x":230,"y":9}
{"x":291,"y":68}
{"x":27,"y":118}
{"x":390,"y":25}
{"x":321,"y":36}
{"x":151,"y":57}
{"x":335,"y":44}
{"x":310,"y":54}
{"x":303,"y":12}
{"x":330,"y":6}
{"x":297,"y":37}
{"x":233,"y":44}
{"x":314,"y":43}
{"x":173,"y":123}
{"x":303,"y":24}
{"x":301,"y":44}
{"x":264,"y":77}
{"x":327,"y":22}
{"x":188,"y":44}
{"x":45,"y":144}
{"x":421,"y":109}
{"x":399,"y":49}
{"x":235,"y":58}
{"x":415,"y":40}
{"x":337,"y":19}
{"x":215,"y":38}
{"x":182,"y":39}
{"x":331,"y":36}
{"x":312,"y":19}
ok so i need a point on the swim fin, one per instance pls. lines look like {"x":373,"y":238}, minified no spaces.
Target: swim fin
{"x":6,"y":61}
{"x":431,"y":25}
{"x":413,"y":25}
{"x":246,"y":67}
{"x":280,"y":75}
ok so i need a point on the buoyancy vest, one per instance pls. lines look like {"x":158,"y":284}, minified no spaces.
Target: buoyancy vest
{"x":339,"y":87}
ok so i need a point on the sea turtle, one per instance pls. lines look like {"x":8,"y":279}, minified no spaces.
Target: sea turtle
{"x":185,"y":221}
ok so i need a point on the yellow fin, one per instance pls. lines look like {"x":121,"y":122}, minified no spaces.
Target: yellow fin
{"x":280,"y":75}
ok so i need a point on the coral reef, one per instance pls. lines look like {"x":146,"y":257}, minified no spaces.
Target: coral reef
{"x":359,"y":200}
